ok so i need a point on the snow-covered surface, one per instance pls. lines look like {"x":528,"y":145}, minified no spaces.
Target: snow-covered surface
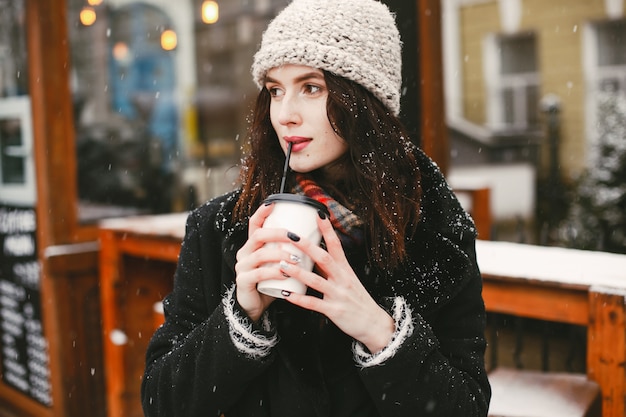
{"x":555,"y":265}
{"x":163,"y":225}
{"x":515,"y":260}
{"x":71,"y":249}
{"x":518,"y":393}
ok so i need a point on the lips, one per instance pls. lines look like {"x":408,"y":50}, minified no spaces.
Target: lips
{"x":299,"y":143}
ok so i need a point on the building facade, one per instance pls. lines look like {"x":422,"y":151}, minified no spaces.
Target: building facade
{"x":509,"y":63}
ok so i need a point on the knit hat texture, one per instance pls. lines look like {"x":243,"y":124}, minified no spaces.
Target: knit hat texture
{"x":354,"y":39}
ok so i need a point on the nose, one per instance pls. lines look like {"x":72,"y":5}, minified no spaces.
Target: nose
{"x":289,"y":111}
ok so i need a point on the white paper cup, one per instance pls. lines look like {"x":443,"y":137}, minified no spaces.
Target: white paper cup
{"x":297,"y":214}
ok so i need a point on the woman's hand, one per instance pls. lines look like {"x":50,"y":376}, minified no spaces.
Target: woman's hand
{"x":346,"y":302}
{"x":251,"y":259}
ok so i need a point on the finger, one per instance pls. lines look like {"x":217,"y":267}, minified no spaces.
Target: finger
{"x":330,"y":235}
{"x":306,"y":246}
{"x":250,"y":279}
{"x":259,"y":238}
{"x":334,"y":254}
{"x":307,"y":302}
{"x":258,"y":218}
{"x":308,"y":278}
{"x":322,"y":259}
{"x":266,"y":254}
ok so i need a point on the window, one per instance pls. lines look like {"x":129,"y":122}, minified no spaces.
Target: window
{"x":605,"y":70}
{"x":160,"y":100}
{"x":17,"y":178}
{"x":611,"y":56}
{"x":512,"y":80}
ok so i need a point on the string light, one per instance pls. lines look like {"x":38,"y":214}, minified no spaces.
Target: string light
{"x":210,"y":11}
{"x":169,"y":40}
{"x":120,"y":51}
{"x":94,"y":2}
{"x":87,"y":16}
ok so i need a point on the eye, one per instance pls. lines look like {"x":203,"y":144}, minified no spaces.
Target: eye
{"x":312,"y":88}
{"x":275,"y":91}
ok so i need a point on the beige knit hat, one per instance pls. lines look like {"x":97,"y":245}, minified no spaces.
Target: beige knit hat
{"x":355,"y":39}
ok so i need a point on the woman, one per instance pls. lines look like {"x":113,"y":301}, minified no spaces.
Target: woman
{"x":393,"y":322}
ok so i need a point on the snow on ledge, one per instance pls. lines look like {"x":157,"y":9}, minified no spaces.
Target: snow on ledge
{"x":159,"y":225}
{"x":569,"y":267}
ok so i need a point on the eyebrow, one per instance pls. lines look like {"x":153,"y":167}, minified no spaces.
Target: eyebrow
{"x":299,"y":79}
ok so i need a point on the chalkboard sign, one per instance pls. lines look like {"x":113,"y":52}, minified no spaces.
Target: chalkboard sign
{"x":24,"y":351}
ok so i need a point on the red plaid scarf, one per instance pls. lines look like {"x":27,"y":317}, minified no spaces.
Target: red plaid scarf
{"x":345,"y":222}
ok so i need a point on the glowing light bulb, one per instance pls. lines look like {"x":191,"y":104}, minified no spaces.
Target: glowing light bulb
{"x":94,"y":2}
{"x":120,"y":51}
{"x":87,"y":16}
{"x":210,"y":11}
{"x":169,"y":40}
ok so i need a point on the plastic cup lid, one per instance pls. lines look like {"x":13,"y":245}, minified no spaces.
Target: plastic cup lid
{"x":297,"y":198}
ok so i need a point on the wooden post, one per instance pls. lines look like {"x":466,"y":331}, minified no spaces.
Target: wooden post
{"x":606,"y":357}
{"x":434,"y":138}
{"x":136,"y":271}
{"x":113,"y":336}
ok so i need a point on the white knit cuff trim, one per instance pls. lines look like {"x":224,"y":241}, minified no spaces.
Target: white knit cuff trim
{"x":245,"y":339}
{"x":403,"y":317}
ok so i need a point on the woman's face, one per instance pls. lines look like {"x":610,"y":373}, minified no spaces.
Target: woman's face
{"x":298,"y":115}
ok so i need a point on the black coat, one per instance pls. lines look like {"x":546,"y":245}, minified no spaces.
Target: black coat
{"x":194,"y":369}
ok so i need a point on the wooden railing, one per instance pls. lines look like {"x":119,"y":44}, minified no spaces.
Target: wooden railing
{"x":570,"y":286}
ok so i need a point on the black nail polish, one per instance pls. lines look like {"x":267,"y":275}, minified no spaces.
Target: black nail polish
{"x":285,"y":293}
{"x":321,"y":214}
{"x":293,"y":236}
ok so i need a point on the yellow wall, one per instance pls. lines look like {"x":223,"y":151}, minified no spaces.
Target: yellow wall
{"x":476,"y":23}
{"x":558,"y":25}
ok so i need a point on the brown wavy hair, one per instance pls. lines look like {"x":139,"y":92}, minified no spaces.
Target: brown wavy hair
{"x":382,"y":180}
